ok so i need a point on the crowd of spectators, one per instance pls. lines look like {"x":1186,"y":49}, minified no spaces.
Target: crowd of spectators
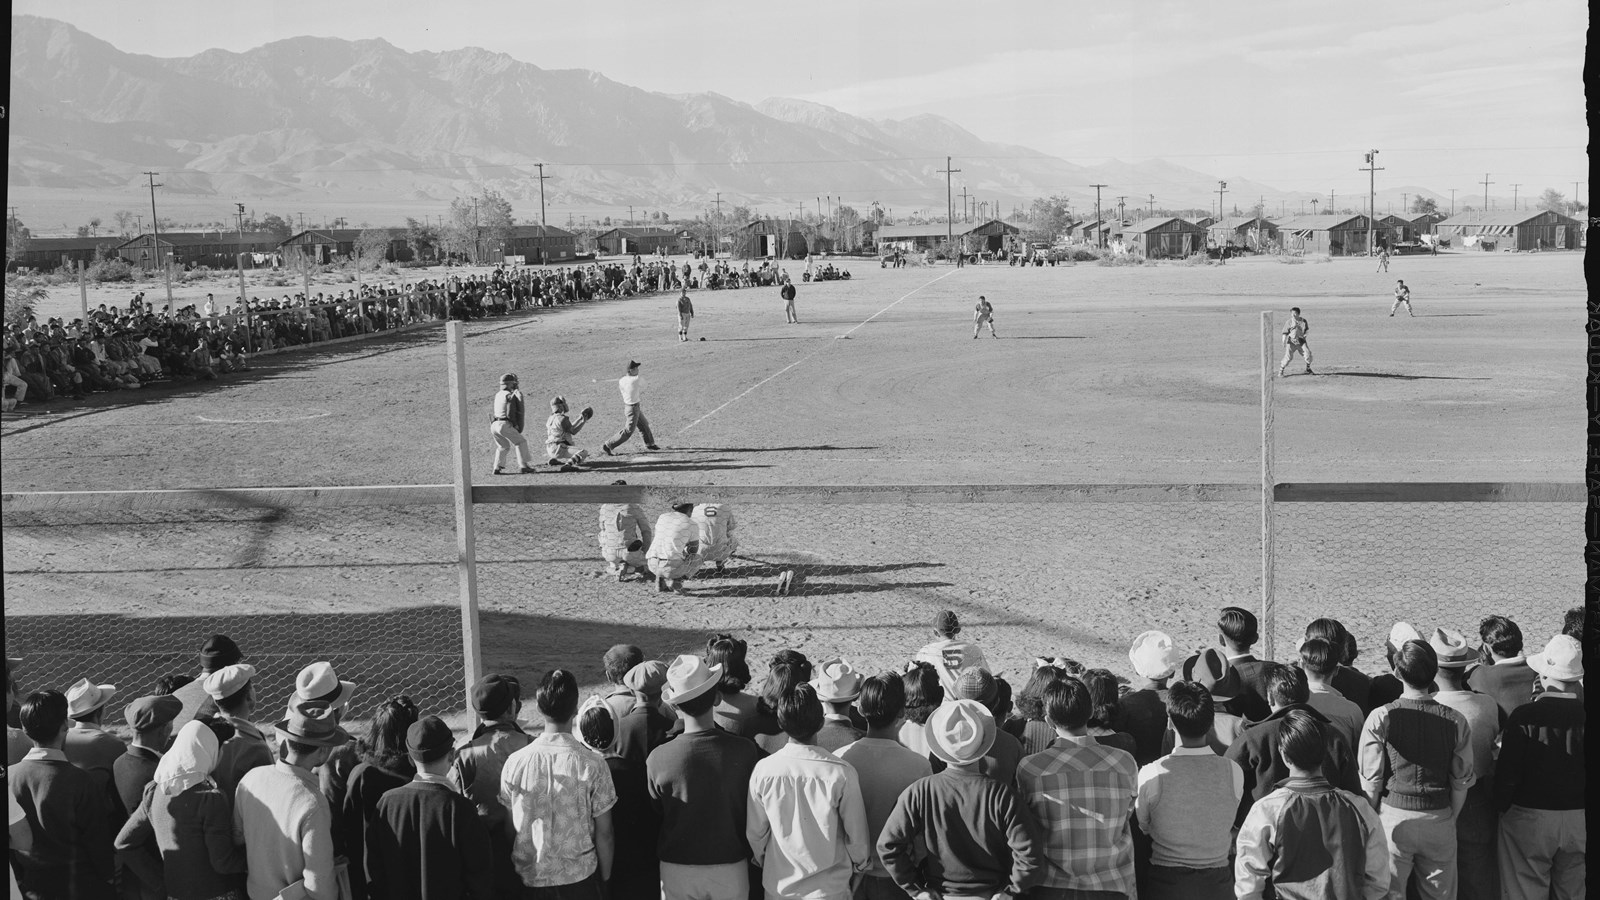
{"x":1459,"y":771}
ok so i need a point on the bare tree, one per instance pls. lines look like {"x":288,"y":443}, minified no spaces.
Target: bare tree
{"x":372,"y":246}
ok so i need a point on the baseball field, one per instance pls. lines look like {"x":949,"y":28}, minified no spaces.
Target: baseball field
{"x":1100,"y":374}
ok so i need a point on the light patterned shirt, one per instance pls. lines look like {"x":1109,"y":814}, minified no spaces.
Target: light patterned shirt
{"x":555,"y":788}
{"x":1080,"y":793}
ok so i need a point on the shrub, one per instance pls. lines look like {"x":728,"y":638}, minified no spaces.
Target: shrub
{"x":1081,"y":254}
{"x":113,"y":269}
{"x":1292,"y":260}
{"x":1125,"y":259}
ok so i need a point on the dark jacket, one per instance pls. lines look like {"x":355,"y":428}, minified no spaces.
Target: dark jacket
{"x":428,"y":843}
{"x":1252,"y":701}
{"x":368,"y":784}
{"x":1256,"y":751}
{"x":69,"y":813}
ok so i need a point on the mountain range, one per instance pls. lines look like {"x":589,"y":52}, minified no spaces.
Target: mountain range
{"x":319,"y":122}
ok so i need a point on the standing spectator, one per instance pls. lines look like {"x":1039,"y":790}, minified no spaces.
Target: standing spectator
{"x":1142,"y":712}
{"x":617,"y":662}
{"x":151,"y":721}
{"x":1320,"y":661}
{"x":510,"y":415}
{"x":1257,"y":753}
{"x":1213,"y":672}
{"x":1572,"y":623}
{"x":217,"y":653}
{"x":17,"y":743}
{"x":644,"y":727}
{"x":1352,"y":683}
{"x":974,"y":832}
{"x":1028,"y":726}
{"x":67,"y":810}
{"x":1540,"y":782}
{"x":885,"y":769}
{"x":1103,"y":703}
{"x":560,"y":797}
{"x":1237,"y":633}
{"x":497,"y":699}
{"x":1416,"y":766}
{"x":924,"y":694}
{"x":280,"y":814}
{"x":788,"y":668}
{"x":88,"y":745}
{"x":386,"y":763}
{"x":1080,"y":793}
{"x":637,"y":827}
{"x":1504,"y":674}
{"x":837,"y":685}
{"x":735,"y":710}
{"x":805,"y":821}
{"x":699,"y":782}
{"x":1479,"y":879}
{"x":232,"y":689}
{"x":1005,"y":751}
{"x":950,"y":656}
{"x":426,"y":842}
{"x":188,"y":821}
{"x":1185,"y":802}
{"x":1309,"y":840}
{"x":1386,"y":688}
{"x":318,"y":683}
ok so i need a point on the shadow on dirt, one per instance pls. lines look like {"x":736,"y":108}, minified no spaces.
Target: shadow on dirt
{"x":1403,"y":377}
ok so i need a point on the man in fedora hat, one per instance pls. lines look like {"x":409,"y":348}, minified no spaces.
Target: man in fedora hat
{"x":699,"y":783}
{"x":1256,"y":748}
{"x":837,"y":684}
{"x":1087,"y":844}
{"x":1540,"y":780}
{"x":674,"y":552}
{"x":232,"y":689}
{"x":1475,"y":825}
{"x":506,"y":427}
{"x":807,"y":826}
{"x":427,"y":841}
{"x":1000,"y":763}
{"x":280,"y":815}
{"x":88,"y":745}
{"x":217,"y":653}
{"x":497,"y":699}
{"x":977,"y":831}
{"x":560,"y":796}
{"x":67,"y":810}
{"x":1142,"y":712}
{"x":1416,"y":766}
{"x":1212,"y":670}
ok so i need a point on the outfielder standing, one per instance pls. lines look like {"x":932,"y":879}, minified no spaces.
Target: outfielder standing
{"x":1383,"y":259}
{"x":685,"y":313}
{"x":631,"y":392}
{"x":1294,"y":341}
{"x":506,"y":427}
{"x":983,"y":314}
{"x":1402,"y":294}
{"x":787,"y":293}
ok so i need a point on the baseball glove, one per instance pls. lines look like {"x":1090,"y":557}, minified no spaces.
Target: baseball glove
{"x":588,"y":412}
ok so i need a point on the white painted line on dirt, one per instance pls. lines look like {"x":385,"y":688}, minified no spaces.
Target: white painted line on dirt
{"x":317,"y":414}
{"x":802,"y":359}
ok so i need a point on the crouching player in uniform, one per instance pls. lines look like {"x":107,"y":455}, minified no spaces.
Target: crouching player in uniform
{"x":674,"y":552}
{"x":717,"y":542}
{"x":559,"y":430}
{"x":624,"y":533}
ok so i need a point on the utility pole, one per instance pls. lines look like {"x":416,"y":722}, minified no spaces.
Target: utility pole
{"x":1372,"y":171}
{"x":630,"y":214}
{"x":1330,"y":201}
{"x":1122,"y":211}
{"x":476,"y":235}
{"x":155,"y":242}
{"x":1452,"y":202}
{"x":1405,"y":203}
{"x":949,"y":206}
{"x":302,"y":221}
{"x":542,"y":177}
{"x":963,"y":203}
{"x":1514,"y":196}
{"x":1099,"y":223}
{"x":716,"y":225}
{"x":1486,"y":183}
{"x":1222,"y":188}
{"x":244,"y":299}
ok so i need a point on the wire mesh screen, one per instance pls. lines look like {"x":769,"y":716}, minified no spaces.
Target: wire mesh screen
{"x":1430,"y":564}
{"x":865,"y":581}
{"x":127,"y":597}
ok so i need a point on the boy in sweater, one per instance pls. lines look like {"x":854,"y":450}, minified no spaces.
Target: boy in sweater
{"x":1185,"y":803}
{"x":67,"y":810}
{"x":1309,"y":840}
{"x":1415,"y":756}
{"x":979,"y":839}
{"x":427,"y":841}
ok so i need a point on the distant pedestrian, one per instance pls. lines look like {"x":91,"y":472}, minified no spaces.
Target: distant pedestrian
{"x":787,"y":293}
{"x":632,"y":393}
{"x":506,"y":427}
{"x":1294,"y":341}
{"x":1402,"y":294}
{"x":685,"y":314}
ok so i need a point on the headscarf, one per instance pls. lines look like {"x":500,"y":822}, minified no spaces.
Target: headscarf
{"x":190,"y":761}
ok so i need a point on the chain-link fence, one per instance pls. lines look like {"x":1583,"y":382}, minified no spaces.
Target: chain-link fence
{"x":128,"y":596}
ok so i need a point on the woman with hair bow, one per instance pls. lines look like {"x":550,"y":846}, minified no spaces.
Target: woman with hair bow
{"x":190,"y":819}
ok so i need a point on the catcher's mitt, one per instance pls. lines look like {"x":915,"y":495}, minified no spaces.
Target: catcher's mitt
{"x":588,"y":412}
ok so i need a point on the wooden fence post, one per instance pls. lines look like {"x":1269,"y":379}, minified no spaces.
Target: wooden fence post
{"x":466,"y":540}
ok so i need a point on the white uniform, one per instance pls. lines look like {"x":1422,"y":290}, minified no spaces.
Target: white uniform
{"x":1294,"y":341}
{"x":670,"y":555}
{"x":620,"y":525}
{"x":717,"y":542}
{"x":952,"y":658}
{"x":506,"y":435}
{"x":1402,"y":294}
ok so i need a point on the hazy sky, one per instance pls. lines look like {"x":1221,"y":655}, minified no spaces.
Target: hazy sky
{"x":1290,"y":94}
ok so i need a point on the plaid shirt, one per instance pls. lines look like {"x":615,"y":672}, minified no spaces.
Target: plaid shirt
{"x":1080,"y":793}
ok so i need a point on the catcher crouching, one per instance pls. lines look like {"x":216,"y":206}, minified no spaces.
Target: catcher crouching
{"x":559,"y":430}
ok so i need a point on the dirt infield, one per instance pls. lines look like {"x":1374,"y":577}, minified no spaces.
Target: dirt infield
{"x":1099,"y":375}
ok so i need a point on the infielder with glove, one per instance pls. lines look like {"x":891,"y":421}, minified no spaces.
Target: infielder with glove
{"x":1294,"y":341}
{"x":1402,"y":294}
{"x":983,"y":314}
{"x":559,"y":430}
